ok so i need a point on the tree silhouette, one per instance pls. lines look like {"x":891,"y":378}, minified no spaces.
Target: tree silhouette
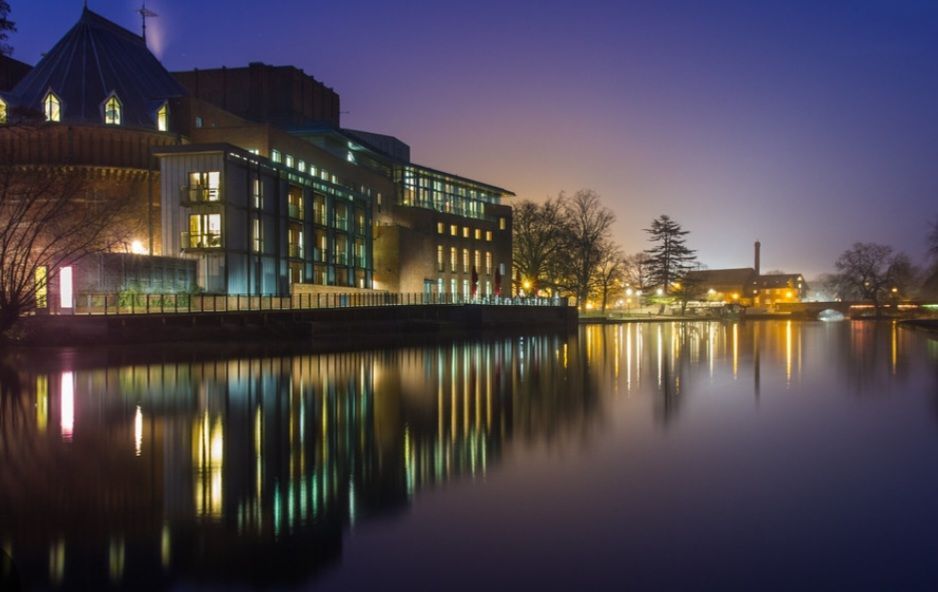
{"x":670,"y":257}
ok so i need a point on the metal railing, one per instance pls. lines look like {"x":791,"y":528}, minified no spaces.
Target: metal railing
{"x":203,"y":240}
{"x":198,"y":194}
{"x":137,"y":304}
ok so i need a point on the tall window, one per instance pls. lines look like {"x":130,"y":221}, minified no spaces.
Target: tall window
{"x":488,"y":236}
{"x":204,"y":231}
{"x":452,"y":259}
{"x":162,"y":118}
{"x":289,"y":160}
{"x":440,"y":258}
{"x":257,"y":233}
{"x":42,"y":287}
{"x":275,"y":155}
{"x":3,"y":111}
{"x":112,"y":111}
{"x":440,"y":228}
{"x":465,"y":260}
{"x":488,"y":262}
{"x":478,"y":261}
{"x":52,"y":107}
{"x":502,"y":223}
{"x":257,"y":191}
{"x":453,"y":230}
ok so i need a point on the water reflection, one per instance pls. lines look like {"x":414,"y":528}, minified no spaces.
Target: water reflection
{"x":251,"y":469}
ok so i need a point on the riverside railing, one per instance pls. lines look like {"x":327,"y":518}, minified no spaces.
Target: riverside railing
{"x":135,"y":304}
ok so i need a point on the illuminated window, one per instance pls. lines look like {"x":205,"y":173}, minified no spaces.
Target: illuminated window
{"x":257,"y":233}
{"x":52,"y":107}
{"x":465,"y":232}
{"x":488,"y":262}
{"x":275,"y":155}
{"x":204,"y":186}
{"x":453,"y":230}
{"x":112,"y":111}
{"x":465,"y":260}
{"x":199,"y":122}
{"x":204,"y":231}
{"x":42,"y":287}
{"x":440,"y":258}
{"x":488,"y":236}
{"x":289,"y":160}
{"x":162,"y":118}
{"x":502,"y":224}
{"x":477,"y":263}
{"x":440,"y":228}
{"x":478,"y":234}
{"x":65,"y":287}
{"x":452,"y":259}
{"x":3,"y":111}
{"x":257,"y":190}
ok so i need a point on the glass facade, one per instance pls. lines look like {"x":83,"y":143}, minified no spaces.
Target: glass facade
{"x":425,"y":188}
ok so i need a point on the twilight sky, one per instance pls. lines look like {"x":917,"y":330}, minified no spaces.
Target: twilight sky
{"x":807,"y":125}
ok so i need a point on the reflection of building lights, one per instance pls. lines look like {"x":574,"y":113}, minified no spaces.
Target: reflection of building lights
{"x":138,"y":431}
{"x":67,"y":406}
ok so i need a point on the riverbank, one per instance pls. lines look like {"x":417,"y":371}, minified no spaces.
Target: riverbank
{"x":929,"y":325}
{"x":379,"y":325}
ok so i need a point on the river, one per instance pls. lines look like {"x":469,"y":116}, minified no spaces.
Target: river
{"x":653,"y":456}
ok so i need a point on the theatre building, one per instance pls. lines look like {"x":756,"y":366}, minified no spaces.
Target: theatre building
{"x":243,"y":178}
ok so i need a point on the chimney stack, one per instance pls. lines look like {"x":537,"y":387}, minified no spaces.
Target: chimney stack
{"x":758,"y":248}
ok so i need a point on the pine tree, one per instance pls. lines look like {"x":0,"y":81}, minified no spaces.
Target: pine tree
{"x":670,"y":257}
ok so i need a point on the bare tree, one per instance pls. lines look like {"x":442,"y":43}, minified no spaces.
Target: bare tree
{"x":609,"y":272}
{"x":587,"y":227}
{"x":686,"y":290}
{"x":872,"y":271}
{"x":537,"y":233}
{"x":638,"y":272}
{"x":48,"y":218}
{"x":671,"y":259}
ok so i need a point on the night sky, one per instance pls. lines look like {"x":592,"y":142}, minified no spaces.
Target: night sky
{"x":807,"y":125}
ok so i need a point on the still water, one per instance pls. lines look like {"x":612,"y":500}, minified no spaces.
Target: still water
{"x":758,"y":455}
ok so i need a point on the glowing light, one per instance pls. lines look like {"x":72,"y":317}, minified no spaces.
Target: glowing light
{"x":735,"y":296}
{"x":789,"y":294}
{"x":65,"y":287}
{"x":526,"y":284}
{"x":137,"y":248}
{"x":67,"y":406}
{"x":711,"y":291}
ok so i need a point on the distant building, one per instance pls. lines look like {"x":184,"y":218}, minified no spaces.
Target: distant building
{"x":746,"y":286}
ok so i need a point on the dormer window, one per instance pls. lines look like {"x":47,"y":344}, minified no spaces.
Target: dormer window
{"x":162,"y":118}
{"x":3,"y":111}
{"x":52,"y":107}
{"x":112,"y":111}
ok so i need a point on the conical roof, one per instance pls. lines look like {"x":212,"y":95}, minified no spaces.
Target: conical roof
{"x":93,"y":60}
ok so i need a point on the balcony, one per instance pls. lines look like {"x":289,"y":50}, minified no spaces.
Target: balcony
{"x":295,"y":211}
{"x":194,"y":195}
{"x":206,"y":240}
